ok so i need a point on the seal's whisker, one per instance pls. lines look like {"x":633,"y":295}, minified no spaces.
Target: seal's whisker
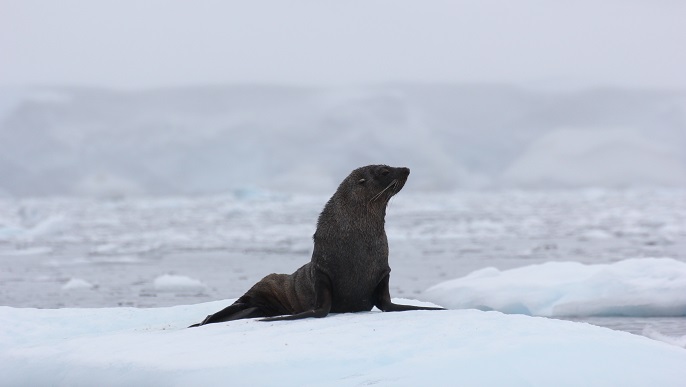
{"x":396,"y":186}
{"x":384,"y":190}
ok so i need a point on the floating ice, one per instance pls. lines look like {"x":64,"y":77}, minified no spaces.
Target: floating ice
{"x":116,"y":259}
{"x":128,"y":346}
{"x":172,"y":282}
{"x":50,"y":225}
{"x":77,"y":283}
{"x":679,"y":341}
{"x":37,"y":250}
{"x":633,"y":287}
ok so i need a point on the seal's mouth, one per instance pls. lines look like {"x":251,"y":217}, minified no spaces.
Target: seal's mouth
{"x":394,"y":185}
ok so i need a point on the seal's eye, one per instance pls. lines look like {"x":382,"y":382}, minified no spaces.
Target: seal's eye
{"x":385,"y":172}
{"x":361,"y":181}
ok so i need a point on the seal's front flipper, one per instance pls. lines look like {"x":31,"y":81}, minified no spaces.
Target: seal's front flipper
{"x":383,"y":300}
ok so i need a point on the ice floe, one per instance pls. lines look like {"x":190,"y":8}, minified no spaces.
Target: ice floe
{"x":129,"y":346}
{"x":632,"y":287}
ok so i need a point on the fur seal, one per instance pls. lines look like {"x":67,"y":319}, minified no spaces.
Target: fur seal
{"x":349,"y":269}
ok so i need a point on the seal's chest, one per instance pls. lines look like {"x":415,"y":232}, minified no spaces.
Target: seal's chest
{"x":354,"y":286}
{"x":353,"y":295}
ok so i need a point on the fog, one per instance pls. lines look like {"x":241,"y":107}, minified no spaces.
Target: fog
{"x":173,"y":97}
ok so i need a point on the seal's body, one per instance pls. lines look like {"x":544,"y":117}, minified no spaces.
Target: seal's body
{"x":349,"y":269}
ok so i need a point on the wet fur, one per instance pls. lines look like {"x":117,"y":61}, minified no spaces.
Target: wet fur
{"x":349,"y":269}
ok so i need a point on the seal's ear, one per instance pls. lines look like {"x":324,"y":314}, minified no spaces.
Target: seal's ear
{"x":361,"y":181}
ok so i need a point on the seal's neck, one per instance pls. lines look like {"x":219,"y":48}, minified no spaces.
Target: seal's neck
{"x":354,"y":215}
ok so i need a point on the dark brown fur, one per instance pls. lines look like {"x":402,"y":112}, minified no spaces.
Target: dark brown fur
{"x":349,"y":269}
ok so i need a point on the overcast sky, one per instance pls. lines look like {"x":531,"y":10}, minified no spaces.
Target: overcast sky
{"x":139,"y":44}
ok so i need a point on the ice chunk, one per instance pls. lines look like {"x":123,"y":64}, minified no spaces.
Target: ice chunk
{"x":632,"y":287}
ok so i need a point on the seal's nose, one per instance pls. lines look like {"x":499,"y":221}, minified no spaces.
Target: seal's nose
{"x":405,"y":171}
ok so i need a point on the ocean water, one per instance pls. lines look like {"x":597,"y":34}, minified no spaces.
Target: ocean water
{"x":118,"y":247}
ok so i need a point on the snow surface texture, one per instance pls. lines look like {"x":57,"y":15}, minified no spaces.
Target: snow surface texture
{"x":151,"y":347}
{"x":633,"y":287}
{"x":72,"y":141}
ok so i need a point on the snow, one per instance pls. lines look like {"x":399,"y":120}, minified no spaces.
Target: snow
{"x":130,"y":346}
{"x":632,"y":287}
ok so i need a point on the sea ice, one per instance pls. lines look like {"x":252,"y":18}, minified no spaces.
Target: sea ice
{"x":679,"y":341}
{"x":129,"y":346}
{"x":632,"y":287}
{"x":77,"y":283}
{"x":173,"y":282}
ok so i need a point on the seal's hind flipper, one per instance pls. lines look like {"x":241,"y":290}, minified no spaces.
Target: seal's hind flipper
{"x":322,"y":286}
{"x":235,"y":311}
{"x":306,"y":314}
